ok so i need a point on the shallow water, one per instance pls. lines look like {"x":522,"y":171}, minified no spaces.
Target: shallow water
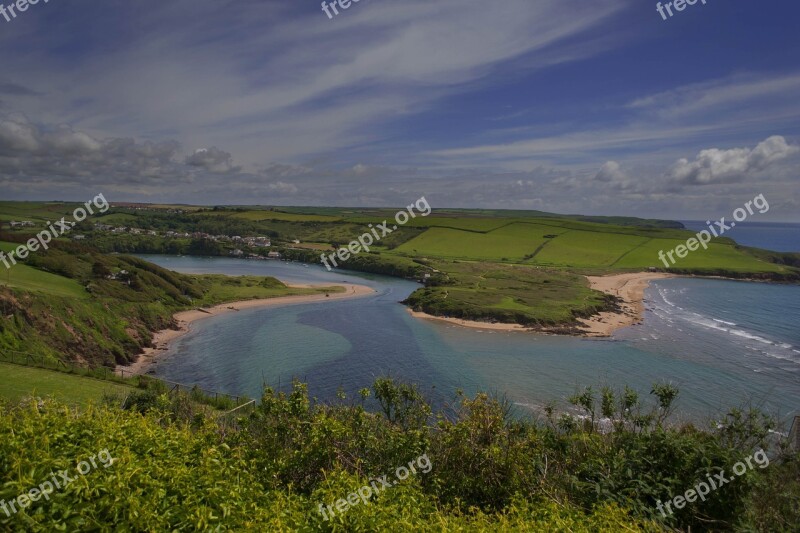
{"x":722,"y":343}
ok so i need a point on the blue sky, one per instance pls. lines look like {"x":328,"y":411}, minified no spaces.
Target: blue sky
{"x":594,"y":107}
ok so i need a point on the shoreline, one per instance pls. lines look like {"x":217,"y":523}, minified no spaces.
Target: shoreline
{"x":162,"y":339}
{"x":473,"y":324}
{"x":629,"y":287}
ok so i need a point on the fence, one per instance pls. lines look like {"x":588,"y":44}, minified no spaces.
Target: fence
{"x":127,"y":377}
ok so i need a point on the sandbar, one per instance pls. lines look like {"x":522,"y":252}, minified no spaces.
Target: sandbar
{"x":630,"y":289}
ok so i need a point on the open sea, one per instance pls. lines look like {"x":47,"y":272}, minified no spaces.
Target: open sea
{"x":723,"y":343}
{"x":775,"y":236}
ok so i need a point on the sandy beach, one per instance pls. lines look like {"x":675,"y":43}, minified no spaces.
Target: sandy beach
{"x":494,"y":326}
{"x":184,"y":319}
{"x":630,"y":288}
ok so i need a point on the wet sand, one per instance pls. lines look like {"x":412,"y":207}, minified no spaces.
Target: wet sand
{"x":495,"y":326}
{"x":630,"y":288}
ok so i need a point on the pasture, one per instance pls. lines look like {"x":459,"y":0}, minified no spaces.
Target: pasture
{"x":21,"y":381}
{"x":30,"y":279}
{"x":573,"y":244}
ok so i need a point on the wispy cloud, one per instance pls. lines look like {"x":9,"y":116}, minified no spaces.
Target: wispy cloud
{"x":395,"y":99}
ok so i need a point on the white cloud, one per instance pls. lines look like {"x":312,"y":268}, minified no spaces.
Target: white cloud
{"x":739,"y":106}
{"x":733,"y":165}
{"x":282,"y":188}
{"x":212,"y":159}
{"x":17,"y":135}
{"x":610,"y":172}
{"x":305,"y":87}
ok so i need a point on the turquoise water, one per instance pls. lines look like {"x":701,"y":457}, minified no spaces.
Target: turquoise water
{"x":722,"y":343}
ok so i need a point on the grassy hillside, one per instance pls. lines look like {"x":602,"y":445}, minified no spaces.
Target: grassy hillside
{"x":545,"y":249}
{"x":30,"y":279}
{"x":22,"y":381}
{"x":579,"y":245}
{"x":71,"y":303}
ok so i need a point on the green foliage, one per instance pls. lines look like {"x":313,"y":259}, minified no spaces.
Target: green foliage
{"x":78,"y":305}
{"x":772,"y":504}
{"x":176,"y":469}
{"x":546,"y":299}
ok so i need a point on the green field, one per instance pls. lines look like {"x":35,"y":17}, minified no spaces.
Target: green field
{"x":21,"y":381}
{"x":290,"y":217}
{"x":30,"y":279}
{"x":38,"y":212}
{"x":510,"y":242}
{"x":587,"y":249}
{"x":718,"y":255}
{"x":582,"y":245}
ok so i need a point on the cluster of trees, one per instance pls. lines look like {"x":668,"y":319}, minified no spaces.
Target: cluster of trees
{"x":178,"y":466}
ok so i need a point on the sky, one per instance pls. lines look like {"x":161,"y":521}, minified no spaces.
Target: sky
{"x":596,"y":107}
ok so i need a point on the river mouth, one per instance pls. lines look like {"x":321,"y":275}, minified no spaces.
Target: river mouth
{"x":344,"y":345}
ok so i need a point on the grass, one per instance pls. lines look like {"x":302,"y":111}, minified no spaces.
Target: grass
{"x":510,"y":242}
{"x":219,"y":288}
{"x":290,"y":217}
{"x":587,"y":249}
{"x":30,"y":279}
{"x":580,"y":245}
{"x":39,"y":212}
{"x":509,"y":293}
{"x":718,"y":255}
{"x":20,"y":381}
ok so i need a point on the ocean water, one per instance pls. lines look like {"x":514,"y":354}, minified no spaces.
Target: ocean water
{"x":776,"y":236}
{"x":724,"y":344}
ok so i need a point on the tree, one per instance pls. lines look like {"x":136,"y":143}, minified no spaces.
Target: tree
{"x":100,"y":270}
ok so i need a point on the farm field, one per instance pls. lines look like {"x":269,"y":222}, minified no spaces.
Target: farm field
{"x":511,"y":242}
{"x":21,"y":381}
{"x":576,"y":244}
{"x":279,"y":215}
{"x":38,"y":212}
{"x":717,"y":256}
{"x":587,"y":249}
